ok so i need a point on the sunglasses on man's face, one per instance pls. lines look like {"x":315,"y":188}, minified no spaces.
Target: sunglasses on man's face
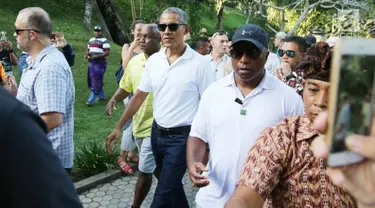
{"x":172,"y":27}
{"x":288,"y":53}
{"x":237,"y":53}
{"x":17,"y":31}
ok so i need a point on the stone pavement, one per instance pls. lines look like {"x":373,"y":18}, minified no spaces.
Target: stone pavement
{"x":119,"y":193}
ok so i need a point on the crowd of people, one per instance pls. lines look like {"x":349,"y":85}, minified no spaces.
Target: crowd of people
{"x":247,"y":124}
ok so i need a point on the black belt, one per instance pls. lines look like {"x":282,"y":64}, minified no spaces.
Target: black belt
{"x":181,"y":130}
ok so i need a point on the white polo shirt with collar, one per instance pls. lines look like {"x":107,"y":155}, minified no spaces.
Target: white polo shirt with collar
{"x":221,"y":122}
{"x":177,"y":88}
{"x":221,"y":68}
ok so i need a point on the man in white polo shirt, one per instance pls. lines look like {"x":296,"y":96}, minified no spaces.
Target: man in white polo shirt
{"x":231,"y":114}
{"x":219,"y":61}
{"x":177,"y":76}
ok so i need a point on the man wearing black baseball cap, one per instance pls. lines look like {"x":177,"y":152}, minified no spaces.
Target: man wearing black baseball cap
{"x":253,"y":100}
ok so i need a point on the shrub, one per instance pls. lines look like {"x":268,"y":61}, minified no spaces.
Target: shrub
{"x":92,"y":159}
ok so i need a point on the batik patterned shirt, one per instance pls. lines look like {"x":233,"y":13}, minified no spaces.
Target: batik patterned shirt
{"x":295,"y":80}
{"x":281,"y":168}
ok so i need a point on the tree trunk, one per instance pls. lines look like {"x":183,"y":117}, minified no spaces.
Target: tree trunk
{"x":282,"y":21}
{"x":112,"y":21}
{"x":134,"y":14}
{"x":88,"y":14}
{"x":141,"y":2}
{"x":220,"y":15}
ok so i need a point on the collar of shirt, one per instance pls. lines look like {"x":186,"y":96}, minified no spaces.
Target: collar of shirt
{"x":188,"y":53}
{"x":266,"y":83}
{"x":40,"y":56}
{"x":211,"y":58}
{"x":305,"y":131}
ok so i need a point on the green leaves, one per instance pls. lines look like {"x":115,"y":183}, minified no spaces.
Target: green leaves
{"x":92,"y":159}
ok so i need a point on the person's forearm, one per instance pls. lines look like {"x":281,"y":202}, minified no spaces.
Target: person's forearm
{"x":100,"y":56}
{"x":196,"y":150}
{"x":132,"y":107}
{"x":120,"y":95}
{"x":127,"y":56}
{"x":237,"y":203}
{"x":52,"y":120}
{"x":365,"y":206}
{"x":13,"y":58}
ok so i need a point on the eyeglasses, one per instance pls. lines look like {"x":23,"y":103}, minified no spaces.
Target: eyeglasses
{"x":252,"y":54}
{"x":97,"y":30}
{"x":17,"y":31}
{"x":288,"y":53}
{"x":172,"y":27}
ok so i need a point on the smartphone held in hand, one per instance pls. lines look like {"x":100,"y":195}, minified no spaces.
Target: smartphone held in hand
{"x":352,"y":95}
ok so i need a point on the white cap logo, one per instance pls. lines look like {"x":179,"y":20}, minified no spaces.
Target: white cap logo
{"x":249,"y":32}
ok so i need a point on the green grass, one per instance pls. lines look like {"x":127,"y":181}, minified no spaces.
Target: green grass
{"x":91,"y":123}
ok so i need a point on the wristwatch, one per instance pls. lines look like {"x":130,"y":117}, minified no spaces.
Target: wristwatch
{"x":10,"y":50}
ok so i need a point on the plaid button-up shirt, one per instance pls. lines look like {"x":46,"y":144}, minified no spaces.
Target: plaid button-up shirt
{"x":47,"y":86}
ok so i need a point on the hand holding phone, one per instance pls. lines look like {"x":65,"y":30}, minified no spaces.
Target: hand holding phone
{"x":357,"y":179}
{"x":352,"y":96}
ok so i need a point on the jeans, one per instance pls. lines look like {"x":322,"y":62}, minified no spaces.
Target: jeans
{"x":93,"y":96}
{"x":170,"y":157}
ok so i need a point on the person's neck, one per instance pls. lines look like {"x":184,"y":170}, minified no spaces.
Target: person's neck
{"x":36,"y":49}
{"x":216,"y":56}
{"x":148,"y":54}
{"x":176,"y":51}
{"x":247,"y":86}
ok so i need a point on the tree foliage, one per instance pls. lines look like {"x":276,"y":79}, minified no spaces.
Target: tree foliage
{"x":152,"y":9}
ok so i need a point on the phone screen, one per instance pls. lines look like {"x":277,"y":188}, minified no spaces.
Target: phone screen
{"x":355,"y":99}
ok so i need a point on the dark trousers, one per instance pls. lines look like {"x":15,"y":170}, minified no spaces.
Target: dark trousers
{"x":170,"y":156}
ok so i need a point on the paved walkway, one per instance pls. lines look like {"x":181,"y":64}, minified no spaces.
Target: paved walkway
{"x":119,"y":193}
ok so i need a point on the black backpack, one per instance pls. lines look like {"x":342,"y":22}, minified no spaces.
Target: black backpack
{"x":119,"y":74}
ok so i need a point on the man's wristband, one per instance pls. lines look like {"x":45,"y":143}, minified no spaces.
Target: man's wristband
{"x":11,"y":51}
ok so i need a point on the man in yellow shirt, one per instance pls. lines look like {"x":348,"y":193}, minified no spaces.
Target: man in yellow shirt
{"x":142,"y":120}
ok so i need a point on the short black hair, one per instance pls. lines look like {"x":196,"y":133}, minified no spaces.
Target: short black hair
{"x":300,"y":41}
{"x":136,"y":22}
{"x":200,"y":42}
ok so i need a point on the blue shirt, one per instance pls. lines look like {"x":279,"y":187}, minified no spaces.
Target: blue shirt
{"x":47,"y":86}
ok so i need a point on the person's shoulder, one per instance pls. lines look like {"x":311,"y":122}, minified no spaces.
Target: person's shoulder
{"x":8,"y":105}
{"x":92,"y":39}
{"x":216,"y":88}
{"x":281,"y":87}
{"x":103,"y":39}
{"x":285,"y":129}
{"x":57,"y":59}
{"x":136,"y":61}
{"x":156,"y":56}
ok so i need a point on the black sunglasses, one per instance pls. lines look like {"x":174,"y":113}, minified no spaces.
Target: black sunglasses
{"x":172,"y":27}
{"x":97,"y":30}
{"x":252,"y":53}
{"x":17,"y":31}
{"x":288,"y":53}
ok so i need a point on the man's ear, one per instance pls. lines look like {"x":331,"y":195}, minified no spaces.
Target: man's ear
{"x":265,"y":56}
{"x":187,"y":29}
